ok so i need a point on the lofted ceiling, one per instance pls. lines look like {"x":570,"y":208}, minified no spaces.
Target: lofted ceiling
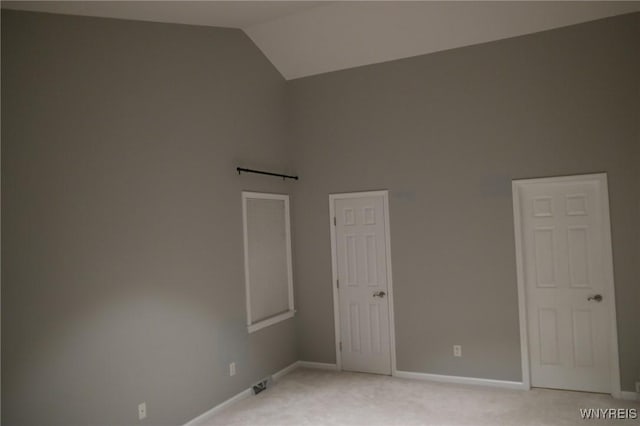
{"x":230,"y":14}
{"x":303,"y":38}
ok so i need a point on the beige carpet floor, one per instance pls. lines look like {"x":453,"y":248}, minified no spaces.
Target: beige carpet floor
{"x":317,"y":397}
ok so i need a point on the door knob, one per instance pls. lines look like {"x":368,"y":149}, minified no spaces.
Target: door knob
{"x":379,"y":294}
{"x":597,"y":298}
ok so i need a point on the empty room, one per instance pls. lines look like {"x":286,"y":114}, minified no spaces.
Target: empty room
{"x":289,"y":213}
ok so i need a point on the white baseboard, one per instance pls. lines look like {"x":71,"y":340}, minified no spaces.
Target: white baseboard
{"x":242,"y":395}
{"x":628,"y":396}
{"x":317,"y":365}
{"x":288,"y":369}
{"x":204,"y":416}
{"x":460,"y":380}
{"x":401,"y":374}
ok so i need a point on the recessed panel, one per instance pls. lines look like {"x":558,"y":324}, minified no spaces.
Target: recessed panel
{"x":354,"y":327}
{"x":351,"y":259}
{"x":577,"y":205}
{"x":371,"y":260}
{"x":349,"y":217}
{"x":578,"y":243}
{"x":267,"y":257}
{"x":543,"y":207}
{"x":374,"y":320}
{"x":369,"y":216}
{"x":549,"y":348}
{"x":582,"y":338}
{"x":544,"y":257}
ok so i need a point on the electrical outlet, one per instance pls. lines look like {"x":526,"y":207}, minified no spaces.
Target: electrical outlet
{"x":142,"y":410}
{"x":457,"y":350}
{"x":232,"y":369}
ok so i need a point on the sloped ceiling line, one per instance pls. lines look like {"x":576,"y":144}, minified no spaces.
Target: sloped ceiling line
{"x":304,"y":38}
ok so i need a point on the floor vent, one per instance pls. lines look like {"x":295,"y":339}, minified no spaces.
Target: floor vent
{"x":262,"y":385}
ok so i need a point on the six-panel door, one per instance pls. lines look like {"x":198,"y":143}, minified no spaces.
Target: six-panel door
{"x":567,"y":300}
{"x":363,"y":289}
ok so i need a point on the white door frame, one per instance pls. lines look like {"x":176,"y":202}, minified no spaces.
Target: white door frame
{"x":334,"y":270}
{"x":601,"y":178}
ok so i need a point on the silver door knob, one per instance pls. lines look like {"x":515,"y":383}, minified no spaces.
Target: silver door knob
{"x":597,"y":298}
{"x":380,"y":294}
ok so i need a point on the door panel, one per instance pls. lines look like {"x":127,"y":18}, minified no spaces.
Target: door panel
{"x":562,"y":230}
{"x":363,"y":288}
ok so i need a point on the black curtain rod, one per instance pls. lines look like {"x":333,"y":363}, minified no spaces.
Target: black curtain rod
{"x":260,"y":172}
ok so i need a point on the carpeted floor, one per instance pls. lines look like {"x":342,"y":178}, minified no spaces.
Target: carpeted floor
{"x":317,"y":397}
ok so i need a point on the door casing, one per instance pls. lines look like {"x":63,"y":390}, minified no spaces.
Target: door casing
{"x":334,"y":270}
{"x":601,"y":178}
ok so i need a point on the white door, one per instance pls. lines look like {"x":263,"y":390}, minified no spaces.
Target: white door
{"x":569,"y":291}
{"x":360,"y":254}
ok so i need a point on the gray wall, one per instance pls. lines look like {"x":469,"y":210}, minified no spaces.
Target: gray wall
{"x":122,"y":250}
{"x":121,"y":226}
{"x":446,"y":133}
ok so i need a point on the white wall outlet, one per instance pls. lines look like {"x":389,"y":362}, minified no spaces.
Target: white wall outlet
{"x":232,"y":369}
{"x":142,"y":410}
{"x":457,"y":350}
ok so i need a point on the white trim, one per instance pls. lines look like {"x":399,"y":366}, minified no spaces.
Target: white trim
{"x":460,"y":380}
{"x":628,"y":396}
{"x":197,"y":421}
{"x":363,"y":194}
{"x":288,"y":369}
{"x":239,"y":397}
{"x":392,"y":323}
{"x":318,"y":365}
{"x":251,"y":327}
{"x":334,"y":280}
{"x":270,"y":321}
{"x":522,"y":302}
{"x":601,"y":179}
{"x":334,"y":271}
{"x":616,"y":387}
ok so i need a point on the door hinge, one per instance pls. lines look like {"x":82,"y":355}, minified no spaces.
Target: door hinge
{"x":335,"y":222}
{"x":340,"y":346}
{"x":338,"y":283}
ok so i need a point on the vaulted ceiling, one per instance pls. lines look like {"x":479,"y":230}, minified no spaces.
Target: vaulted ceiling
{"x":303,"y":38}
